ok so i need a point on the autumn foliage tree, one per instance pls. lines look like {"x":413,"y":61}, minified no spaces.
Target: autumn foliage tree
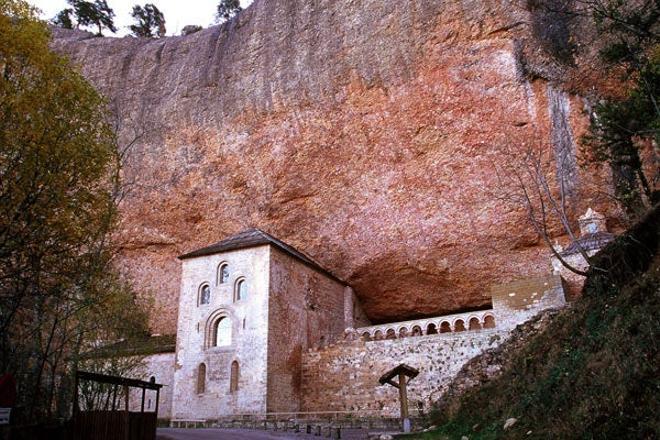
{"x":59,"y":181}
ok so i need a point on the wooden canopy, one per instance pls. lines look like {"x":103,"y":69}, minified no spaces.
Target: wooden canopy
{"x":116,"y":380}
{"x":397,"y":371}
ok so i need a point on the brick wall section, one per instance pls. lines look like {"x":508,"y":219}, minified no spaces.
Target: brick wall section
{"x":248,"y":345}
{"x":306,"y":309}
{"x":354,"y":315}
{"x":344,"y":376}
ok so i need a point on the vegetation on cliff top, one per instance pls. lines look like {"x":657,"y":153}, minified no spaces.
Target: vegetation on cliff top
{"x":592,"y":372}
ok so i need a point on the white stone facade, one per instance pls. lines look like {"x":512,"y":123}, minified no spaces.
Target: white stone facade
{"x":249,"y":333}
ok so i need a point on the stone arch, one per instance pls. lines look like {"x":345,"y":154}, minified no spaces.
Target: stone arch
{"x":431,"y":329}
{"x":489,"y":321}
{"x":416,"y":331}
{"x":201,"y":378}
{"x":474,"y":323}
{"x":366,"y":336}
{"x":445,"y":327}
{"x":378,"y":335}
{"x":459,"y":325}
{"x":403,"y":332}
{"x":203,"y":293}
{"x":234,"y":377}
{"x":223,"y":321}
{"x":390,"y":334}
{"x":222,"y":274}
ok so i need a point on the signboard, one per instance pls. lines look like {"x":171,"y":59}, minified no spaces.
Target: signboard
{"x":4,"y":416}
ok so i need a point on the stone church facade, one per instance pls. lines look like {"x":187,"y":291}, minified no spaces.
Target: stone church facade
{"x":264,"y":329}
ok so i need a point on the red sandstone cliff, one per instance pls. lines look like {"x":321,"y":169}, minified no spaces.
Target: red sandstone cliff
{"x":363,"y":132}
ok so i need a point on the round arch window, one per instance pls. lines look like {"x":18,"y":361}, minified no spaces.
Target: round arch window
{"x":241,"y":290}
{"x":222,"y":332}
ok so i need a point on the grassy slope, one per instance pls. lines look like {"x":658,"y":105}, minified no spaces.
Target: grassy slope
{"x":594,"y":372}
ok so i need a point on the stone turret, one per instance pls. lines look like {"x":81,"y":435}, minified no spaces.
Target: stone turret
{"x":593,"y":237}
{"x":592,"y":222}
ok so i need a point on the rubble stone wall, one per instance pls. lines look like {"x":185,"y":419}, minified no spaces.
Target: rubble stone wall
{"x":344,"y":376}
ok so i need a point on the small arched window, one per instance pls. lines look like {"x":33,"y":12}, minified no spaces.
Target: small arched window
{"x":445,"y":327}
{"x":417,"y":331}
{"x":474,"y":324}
{"x":390,"y":334}
{"x":489,"y":321}
{"x":431,"y":329}
{"x":204,"y":294}
{"x":241,"y":290}
{"x":459,"y":325}
{"x":233,"y":382}
{"x":222,"y":332}
{"x":223,"y":273}
{"x":201,"y":378}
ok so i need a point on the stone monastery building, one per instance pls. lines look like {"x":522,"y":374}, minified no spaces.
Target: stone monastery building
{"x":262,"y":328}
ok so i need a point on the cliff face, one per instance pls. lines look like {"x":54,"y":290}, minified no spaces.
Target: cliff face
{"x":362,"y":132}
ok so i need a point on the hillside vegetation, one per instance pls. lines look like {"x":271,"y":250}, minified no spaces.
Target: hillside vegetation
{"x":592,"y":372}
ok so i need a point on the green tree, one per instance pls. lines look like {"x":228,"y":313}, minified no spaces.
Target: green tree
{"x":150,"y":22}
{"x":87,"y":14}
{"x":227,"y":9}
{"x":64,"y":19}
{"x":622,"y":126}
{"x":59,"y":183}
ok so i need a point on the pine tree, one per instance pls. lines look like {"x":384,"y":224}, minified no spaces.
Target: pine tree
{"x":87,"y":14}
{"x":150,"y":21}
{"x":228,"y":9}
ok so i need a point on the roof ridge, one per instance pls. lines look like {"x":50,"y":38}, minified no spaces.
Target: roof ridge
{"x":253,"y":236}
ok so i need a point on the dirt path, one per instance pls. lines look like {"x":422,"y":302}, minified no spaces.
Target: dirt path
{"x":245,"y":434}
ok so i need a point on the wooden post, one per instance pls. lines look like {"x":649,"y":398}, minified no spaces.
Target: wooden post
{"x":403,"y":395}
{"x":157,"y":399}
{"x":126,"y":389}
{"x":114,"y":397}
{"x":405,"y":373}
{"x":144,"y":390}
{"x":75,"y":397}
{"x":127,"y":415}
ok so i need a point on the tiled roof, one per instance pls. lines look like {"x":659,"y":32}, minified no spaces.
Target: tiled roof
{"x":589,"y":242}
{"x":255,"y":237}
{"x":141,"y":346}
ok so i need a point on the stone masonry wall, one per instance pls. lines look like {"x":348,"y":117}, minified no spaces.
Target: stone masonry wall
{"x":518,"y":301}
{"x":249,"y":319}
{"x":344,"y":376}
{"x":306,"y":309}
{"x":161,"y":367}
